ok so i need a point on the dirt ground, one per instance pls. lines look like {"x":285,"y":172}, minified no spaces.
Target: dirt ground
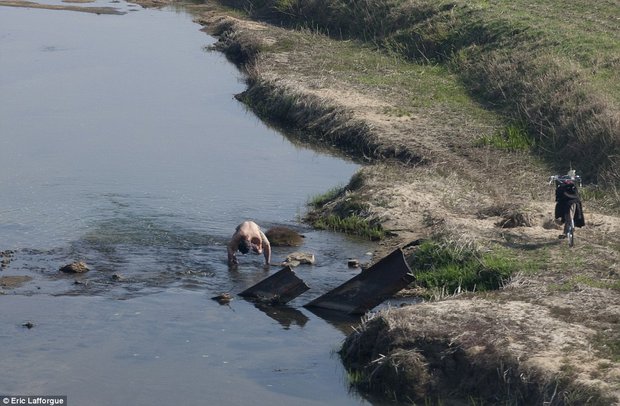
{"x":562,"y":320}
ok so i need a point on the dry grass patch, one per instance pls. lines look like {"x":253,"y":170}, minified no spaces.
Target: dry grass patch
{"x":455,"y":347}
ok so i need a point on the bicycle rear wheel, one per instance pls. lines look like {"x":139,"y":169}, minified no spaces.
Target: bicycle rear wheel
{"x":569,"y":222}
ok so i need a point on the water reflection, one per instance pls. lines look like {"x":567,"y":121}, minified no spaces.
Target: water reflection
{"x":286,"y":316}
{"x":341,"y":321}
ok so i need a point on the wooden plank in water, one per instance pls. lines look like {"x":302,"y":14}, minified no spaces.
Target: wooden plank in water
{"x":369,"y":288}
{"x":281,"y":287}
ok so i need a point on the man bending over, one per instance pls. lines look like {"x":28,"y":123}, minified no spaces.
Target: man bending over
{"x":248,"y":236}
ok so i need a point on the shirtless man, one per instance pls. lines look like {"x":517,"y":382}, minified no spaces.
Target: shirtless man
{"x":248,"y":236}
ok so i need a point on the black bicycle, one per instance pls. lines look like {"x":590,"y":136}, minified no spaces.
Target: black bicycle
{"x":568,"y":204}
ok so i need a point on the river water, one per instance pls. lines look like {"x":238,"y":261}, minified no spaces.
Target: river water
{"x":121,"y":145}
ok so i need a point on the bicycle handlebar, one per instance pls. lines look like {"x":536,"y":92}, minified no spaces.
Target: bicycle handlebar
{"x":559,"y":179}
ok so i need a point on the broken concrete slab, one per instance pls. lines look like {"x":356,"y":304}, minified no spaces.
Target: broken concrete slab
{"x":368,"y":289}
{"x":279,"y":288}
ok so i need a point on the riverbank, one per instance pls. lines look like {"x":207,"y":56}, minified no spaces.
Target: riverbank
{"x":551,"y":332}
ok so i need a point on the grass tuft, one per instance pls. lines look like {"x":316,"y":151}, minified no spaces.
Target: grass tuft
{"x":513,"y":138}
{"x":320,"y":200}
{"x":608,"y":344}
{"x":438,"y":265}
{"x":352,"y":224}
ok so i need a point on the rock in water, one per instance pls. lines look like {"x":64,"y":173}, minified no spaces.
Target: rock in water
{"x":353,"y":263}
{"x":75,"y":267}
{"x":284,"y":237}
{"x":297,"y":258}
{"x":223,"y":298}
{"x":28,"y":325}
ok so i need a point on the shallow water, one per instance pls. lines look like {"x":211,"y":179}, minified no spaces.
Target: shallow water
{"x":121,"y":145}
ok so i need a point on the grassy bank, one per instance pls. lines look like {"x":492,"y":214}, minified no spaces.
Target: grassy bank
{"x":339,"y":210}
{"x":552,"y":67}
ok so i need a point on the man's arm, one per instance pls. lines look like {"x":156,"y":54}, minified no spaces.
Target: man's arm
{"x":232,"y":247}
{"x":266,"y":247}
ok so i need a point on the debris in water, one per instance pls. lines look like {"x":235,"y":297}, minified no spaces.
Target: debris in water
{"x":279,"y":288}
{"x":75,"y":267}
{"x":353,"y":263}
{"x":371,"y":287}
{"x":223,"y":298}
{"x":298,"y":258}
{"x":6,"y":258}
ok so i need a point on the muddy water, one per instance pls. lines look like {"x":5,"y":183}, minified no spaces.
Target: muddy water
{"x":121,"y":145}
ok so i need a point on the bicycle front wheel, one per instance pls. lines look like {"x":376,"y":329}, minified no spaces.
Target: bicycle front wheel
{"x":571,"y":238}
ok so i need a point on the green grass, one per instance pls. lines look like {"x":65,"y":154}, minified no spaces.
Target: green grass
{"x":584,"y":280}
{"x":607,"y":200}
{"x":355,"y":377}
{"x":579,"y":30}
{"x":513,"y":138}
{"x":348,"y":215}
{"x":438,"y":265}
{"x":426,"y":85}
{"x":320,"y":200}
{"x":364,"y":65}
{"x":352,"y":224}
{"x":590,"y":193}
{"x":608,"y":344}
